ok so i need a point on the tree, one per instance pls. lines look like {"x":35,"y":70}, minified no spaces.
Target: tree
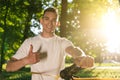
{"x":4,"y":35}
{"x":15,"y":23}
{"x":63,"y":18}
{"x":81,"y":22}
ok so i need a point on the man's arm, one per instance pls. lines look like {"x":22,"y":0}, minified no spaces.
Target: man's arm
{"x":15,"y":64}
{"x":75,"y":51}
{"x":80,"y":59}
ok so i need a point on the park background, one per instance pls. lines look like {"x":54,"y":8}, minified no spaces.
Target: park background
{"x":92,"y":25}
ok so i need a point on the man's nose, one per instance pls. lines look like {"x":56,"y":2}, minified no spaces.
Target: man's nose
{"x":50,"y":22}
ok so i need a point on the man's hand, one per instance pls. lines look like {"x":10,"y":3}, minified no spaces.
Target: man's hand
{"x":33,"y":57}
{"x":84,"y":61}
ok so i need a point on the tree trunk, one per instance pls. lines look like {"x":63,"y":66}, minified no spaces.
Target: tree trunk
{"x":30,"y":11}
{"x":27,"y":28}
{"x":63,"y":18}
{"x":3,"y":39}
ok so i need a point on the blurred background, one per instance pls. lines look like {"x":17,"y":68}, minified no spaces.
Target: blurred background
{"x":92,"y":25}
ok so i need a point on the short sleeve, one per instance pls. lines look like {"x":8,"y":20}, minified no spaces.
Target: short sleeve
{"x":66,"y":43}
{"x":23,"y":50}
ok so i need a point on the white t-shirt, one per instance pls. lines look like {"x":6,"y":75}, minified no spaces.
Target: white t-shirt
{"x":50,"y":66}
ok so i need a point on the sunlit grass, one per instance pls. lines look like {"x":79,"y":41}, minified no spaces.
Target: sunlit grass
{"x":106,"y":64}
{"x":98,"y":73}
{"x":94,"y":72}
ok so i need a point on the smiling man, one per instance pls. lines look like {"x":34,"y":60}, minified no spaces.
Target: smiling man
{"x":45,"y":53}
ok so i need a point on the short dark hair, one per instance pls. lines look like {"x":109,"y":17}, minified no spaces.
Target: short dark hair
{"x":51,"y":9}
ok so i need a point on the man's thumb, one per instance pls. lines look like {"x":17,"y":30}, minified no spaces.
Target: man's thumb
{"x":31,"y":49}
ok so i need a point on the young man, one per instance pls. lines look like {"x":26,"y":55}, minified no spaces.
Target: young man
{"x":45,"y":53}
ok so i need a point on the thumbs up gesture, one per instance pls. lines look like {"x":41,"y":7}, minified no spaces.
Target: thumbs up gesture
{"x":33,"y":57}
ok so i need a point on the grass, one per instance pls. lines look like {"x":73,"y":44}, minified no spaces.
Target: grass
{"x":84,"y":73}
{"x":106,"y":64}
{"x":98,"y":73}
{"x":23,"y":74}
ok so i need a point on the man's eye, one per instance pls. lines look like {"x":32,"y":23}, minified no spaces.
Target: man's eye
{"x":45,"y":18}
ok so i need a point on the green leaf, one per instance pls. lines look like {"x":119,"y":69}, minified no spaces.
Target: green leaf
{"x":1,"y":29}
{"x":26,"y":3}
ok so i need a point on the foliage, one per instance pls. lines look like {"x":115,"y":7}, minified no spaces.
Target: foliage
{"x":82,"y":23}
{"x":68,"y":59}
{"x":19,"y":75}
{"x":15,"y":24}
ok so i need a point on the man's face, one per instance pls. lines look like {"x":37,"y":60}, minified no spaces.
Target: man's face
{"x":49,"y":22}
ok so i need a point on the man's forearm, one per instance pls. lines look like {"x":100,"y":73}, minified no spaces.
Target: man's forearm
{"x":14,"y":65}
{"x":75,"y":52}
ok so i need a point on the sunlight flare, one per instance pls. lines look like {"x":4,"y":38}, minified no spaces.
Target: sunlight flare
{"x":112,"y":31}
